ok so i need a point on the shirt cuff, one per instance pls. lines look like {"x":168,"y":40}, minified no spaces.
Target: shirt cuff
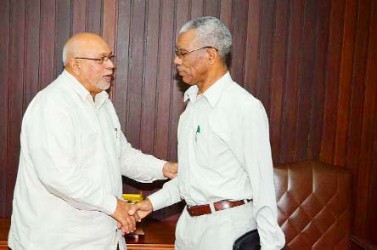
{"x":158,"y":199}
{"x":109,"y":204}
{"x":156,"y":169}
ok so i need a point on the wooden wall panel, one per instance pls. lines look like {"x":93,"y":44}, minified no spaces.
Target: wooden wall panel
{"x":79,"y":8}
{"x":306,"y":78}
{"x":62,"y":32}
{"x":120,"y":84}
{"x":239,"y":32}
{"x":369,"y":127}
{"x":318,"y":89}
{"x":93,"y":21}
{"x":148,"y":121}
{"x":356,"y":118}
{"x":278,"y":74}
{"x":290,"y":96}
{"x":252,"y":45}
{"x":267,"y":21}
{"x":47,"y":43}
{"x":164,"y":78}
{"x":15,"y":93}
{"x":135,"y":72}
{"x":311,"y":63}
{"x":32,"y":51}
{"x":4,"y":106}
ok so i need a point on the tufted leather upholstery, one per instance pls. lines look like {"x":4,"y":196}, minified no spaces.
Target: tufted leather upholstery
{"x":314,"y":205}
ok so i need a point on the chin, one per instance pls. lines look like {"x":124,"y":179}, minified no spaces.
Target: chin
{"x":103,"y":85}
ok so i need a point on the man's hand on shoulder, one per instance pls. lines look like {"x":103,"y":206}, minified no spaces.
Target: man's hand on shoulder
{"x":170,"y":170}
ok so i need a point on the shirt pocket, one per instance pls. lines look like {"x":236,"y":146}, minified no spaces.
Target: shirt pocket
{"x":220,"y":127}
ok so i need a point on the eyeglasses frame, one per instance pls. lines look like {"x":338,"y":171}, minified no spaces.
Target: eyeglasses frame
{"x":100,"y":60}
{"x":180,"y":55}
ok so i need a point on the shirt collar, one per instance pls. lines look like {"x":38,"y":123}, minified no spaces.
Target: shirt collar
{"x":100,"y":98}
{"x":213,"y":93}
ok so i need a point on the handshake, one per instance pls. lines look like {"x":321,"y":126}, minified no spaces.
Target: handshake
{"x":128,"y":214}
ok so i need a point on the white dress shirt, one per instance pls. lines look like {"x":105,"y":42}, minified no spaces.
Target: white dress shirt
{"x":224,"y":153}
{"x":73,"y":154}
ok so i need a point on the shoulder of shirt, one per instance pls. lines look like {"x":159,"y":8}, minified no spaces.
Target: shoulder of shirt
{"x":236,"y":95}
{"x":55,"y":94}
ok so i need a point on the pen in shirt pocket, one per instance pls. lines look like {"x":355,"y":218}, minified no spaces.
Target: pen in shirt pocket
{"x":197,"y":132}
{"x":116,"y":133}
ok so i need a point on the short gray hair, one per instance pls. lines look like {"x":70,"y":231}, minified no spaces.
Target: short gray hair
{"x":65,"y":55}
{"x":211,"y":32}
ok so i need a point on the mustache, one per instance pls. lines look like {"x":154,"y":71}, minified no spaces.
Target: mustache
{"x":180,"y":68}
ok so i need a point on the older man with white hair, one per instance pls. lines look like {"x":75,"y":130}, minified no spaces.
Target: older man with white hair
{"x":226,"y":172}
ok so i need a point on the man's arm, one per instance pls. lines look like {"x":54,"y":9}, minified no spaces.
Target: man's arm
{"x":168,"y":195}
{"x":259,"y":166}
{"x":143,"y":167}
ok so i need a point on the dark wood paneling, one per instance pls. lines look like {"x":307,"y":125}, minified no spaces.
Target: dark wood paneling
{"x":345,"y":83}
{"x":4,"y":122}
{"x":252,"y":46}
{"x":306,"y":78}
{"x":278,"y":74}
{"x":239,"y":32}
{"x":63,"y":31}
{"x":164,"y":78}
{"x":290,"y":96}
{"x":32,"y":50}
{"x":148,"y":121}
{"x":332,"y":80}
{"x":177,"y":105}
{"x":47,"y":43}
{"x":15,"y":94}
{"x":317,"y":94}
{"x":94,"y":11}
{"x":135,"y":72}
{"x":79,"y":15}
{"x":311,"y":63}
{"x":356,"y":118}
{"x":119,"y":89}
{"x":267,"y":20}
{"x":368,"y":141}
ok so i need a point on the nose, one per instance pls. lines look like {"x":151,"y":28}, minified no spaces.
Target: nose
{"x":109,"y":64}
{"x":177,"y":60}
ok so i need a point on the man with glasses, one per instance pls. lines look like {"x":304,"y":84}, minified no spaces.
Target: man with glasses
{"x":73,"y":153}
{"x":224,"y":156}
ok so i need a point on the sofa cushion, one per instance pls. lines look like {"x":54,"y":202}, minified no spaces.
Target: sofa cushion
{"x":314,"y":205}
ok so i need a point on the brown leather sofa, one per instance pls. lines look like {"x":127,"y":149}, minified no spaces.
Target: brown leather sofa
{"x":314,"y":205}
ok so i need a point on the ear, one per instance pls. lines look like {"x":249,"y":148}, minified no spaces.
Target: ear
{"x":213,"y":55}
{"x":74,"y":65}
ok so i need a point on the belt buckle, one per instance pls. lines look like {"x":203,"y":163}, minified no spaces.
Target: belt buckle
{"x":189,"y":210}
{"x":226,"y":205}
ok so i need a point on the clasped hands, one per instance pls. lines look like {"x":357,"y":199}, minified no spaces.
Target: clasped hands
{"x":127,"y":215}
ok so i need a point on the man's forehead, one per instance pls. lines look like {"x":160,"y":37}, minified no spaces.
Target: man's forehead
{"x":97,"y":47}
{"x":186,"y":39}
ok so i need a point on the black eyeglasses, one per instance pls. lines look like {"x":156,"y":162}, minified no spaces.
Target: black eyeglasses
{"x":180,"y":54}
{"x":100,"y":60}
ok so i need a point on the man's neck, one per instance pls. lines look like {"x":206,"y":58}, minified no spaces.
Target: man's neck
{"x":213,"y":76}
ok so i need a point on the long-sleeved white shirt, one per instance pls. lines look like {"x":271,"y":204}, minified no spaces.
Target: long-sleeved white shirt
{"x":73,"y":154}
{"x":224,"y":153}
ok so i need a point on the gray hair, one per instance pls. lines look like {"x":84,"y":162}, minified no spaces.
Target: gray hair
{"x":211,"y":32}
{"x":65,"y":55}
